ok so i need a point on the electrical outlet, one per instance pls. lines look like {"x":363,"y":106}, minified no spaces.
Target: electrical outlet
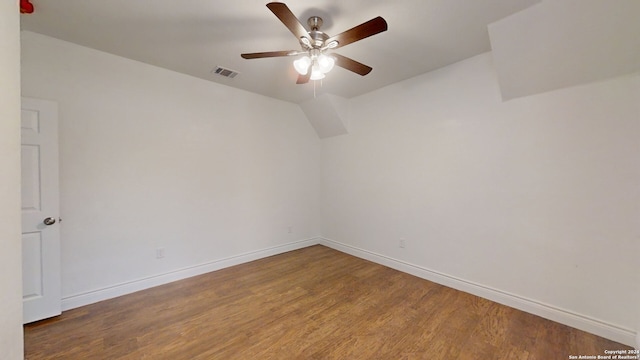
{"x":159,"y":253}
{"x":402,"y":243}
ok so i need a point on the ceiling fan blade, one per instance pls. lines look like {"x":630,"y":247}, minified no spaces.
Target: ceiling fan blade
{"x":352,"y":65}
{"x":364,"y":30}
{"x":303,"y":79}
{"x":289,"y":20}
{"x":268,"y":54}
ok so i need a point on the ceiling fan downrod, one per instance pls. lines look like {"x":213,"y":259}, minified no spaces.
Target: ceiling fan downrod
{"x":314,"y":23}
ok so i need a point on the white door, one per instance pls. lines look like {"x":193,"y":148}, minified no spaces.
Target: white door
{"x":40,"y":209}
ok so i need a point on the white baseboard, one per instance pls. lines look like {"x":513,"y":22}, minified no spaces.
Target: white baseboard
{"x":582,"y":322}
{"x":90,"y":297}
{"x":585,"y":323}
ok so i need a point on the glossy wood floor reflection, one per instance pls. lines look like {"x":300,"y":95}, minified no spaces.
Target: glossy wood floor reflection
{"x":314,"y":303}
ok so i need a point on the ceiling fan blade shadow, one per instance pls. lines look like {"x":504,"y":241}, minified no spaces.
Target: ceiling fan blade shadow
{"x":351,"y":65}
{"x":364,"y":30}
{"x":269,"y":54}
{"x":282,"y":12}
{"x":303,"y":79}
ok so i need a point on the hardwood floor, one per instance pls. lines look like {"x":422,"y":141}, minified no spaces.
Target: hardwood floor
{"x":314,"y":303}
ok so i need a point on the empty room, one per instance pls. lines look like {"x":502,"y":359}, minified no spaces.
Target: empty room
{"x":320,"y":180}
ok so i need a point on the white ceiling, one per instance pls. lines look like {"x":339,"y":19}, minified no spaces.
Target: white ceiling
{"x":192,"y":37}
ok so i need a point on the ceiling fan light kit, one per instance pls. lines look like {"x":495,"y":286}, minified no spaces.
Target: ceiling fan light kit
{"x":315,"y":62}
{"x":320,"y":65}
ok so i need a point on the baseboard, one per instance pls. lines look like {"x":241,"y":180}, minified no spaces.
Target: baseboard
{"x":585,"y":323}
{"x":90,"y":297}
{"x":582,"y":322}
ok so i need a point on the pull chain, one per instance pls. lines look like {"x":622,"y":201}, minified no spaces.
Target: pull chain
{"x":314,"y":87}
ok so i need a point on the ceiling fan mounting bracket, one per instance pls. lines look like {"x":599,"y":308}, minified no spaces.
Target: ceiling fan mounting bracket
{"x":314,"y":22}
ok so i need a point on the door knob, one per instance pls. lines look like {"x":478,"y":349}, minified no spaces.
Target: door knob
{"x":49,"y":221}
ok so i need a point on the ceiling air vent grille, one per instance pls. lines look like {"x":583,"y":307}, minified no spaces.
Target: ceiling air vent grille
{"x":218,"y":70}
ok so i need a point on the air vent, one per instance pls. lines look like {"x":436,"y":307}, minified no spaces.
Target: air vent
{"x":224,"y":72}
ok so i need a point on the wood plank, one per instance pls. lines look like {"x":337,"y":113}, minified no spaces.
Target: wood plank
{"x":313,"y":303}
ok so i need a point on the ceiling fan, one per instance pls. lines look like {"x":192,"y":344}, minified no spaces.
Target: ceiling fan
{"x":315,"y":61}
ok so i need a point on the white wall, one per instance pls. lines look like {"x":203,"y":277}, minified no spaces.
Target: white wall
{"x":151,"y":158}
{"x":536,"y":198}
{"x":10,"y":244}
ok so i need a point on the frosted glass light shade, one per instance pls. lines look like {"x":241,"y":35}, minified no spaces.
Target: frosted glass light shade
{"x":325,"y":63}
{"x":316,"y":73}
{"x":302,"y":65}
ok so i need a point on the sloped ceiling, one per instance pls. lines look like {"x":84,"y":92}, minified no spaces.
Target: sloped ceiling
{"x":328,"y":114}
{"x":557,"y":44}
{"x":195,"y":36}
